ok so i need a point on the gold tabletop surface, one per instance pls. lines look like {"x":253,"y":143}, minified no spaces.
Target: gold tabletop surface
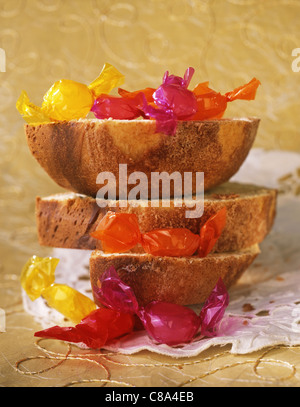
{"x":228,"y":43}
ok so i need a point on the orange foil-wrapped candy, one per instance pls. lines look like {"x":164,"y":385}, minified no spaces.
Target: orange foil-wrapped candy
{"x":246,"y":92}
{"x":211,"y":231}
{"x":118,"y":232}
{"x":170,"y":242}
{"x":212,"y":104}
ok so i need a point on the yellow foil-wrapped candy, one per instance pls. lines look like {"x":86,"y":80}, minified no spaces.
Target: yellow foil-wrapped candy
{"x":38,"y":274}
{"x":30,"y":112}
{"x":69,"y":302}
{"x":37,"y":279}
{"x":108,"y":79}
{"x":69,"y":100}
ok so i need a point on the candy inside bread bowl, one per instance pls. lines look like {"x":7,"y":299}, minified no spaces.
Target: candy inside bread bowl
{"x":73,"y":153}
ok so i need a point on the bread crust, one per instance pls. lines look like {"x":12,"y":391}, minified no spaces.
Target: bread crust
{"x":74,"y":153}
{"x":184,"y":281}
{"x":66,"y":220}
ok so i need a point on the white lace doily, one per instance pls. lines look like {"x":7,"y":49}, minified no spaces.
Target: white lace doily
{"x":264,"y":308}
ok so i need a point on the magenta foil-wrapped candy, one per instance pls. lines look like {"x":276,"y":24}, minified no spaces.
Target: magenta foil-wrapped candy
{"x":174,"y":95}
{"x":213,"y":309}
{"x":114,"y":294}
{"x":169,"y":323}
{"x":166,"y":121}
{"x":178,"y":80}
{"x":165,"y":322}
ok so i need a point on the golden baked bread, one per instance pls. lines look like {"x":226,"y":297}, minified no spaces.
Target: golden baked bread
{"x":66,"y":220}
{"x":74,"y":153}
{"x":181,"y":280}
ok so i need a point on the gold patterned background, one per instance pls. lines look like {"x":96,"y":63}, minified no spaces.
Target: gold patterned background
{"x":227,"y":42}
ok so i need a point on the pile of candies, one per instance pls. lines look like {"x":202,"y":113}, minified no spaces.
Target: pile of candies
{"x":119,"y":232}
{"x":165,"y":322}
{"x":171,"y":101}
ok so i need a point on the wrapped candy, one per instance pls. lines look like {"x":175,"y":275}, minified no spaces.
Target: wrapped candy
{"x":173,"y":95}
{"x":37,"y":274}
{"x":212,"y":105}
{"x":213,"y":309}
{"x":119,"y":232}
{"x":211,"y":231}
{"x":166,"y":121}
{"x":30,"y":112}
{"x":68,"y":301}
{"x":246,"y":92}
{"x":165,"y":322}
{"x":170,"y":242}
{"x":95,"y":330}
{"x":69,"y":100}
{"x":126,"y":107}
{"x":171,"y":101}
{"x":147,"y":92}
{"x":114,"y":294}
{"x":106,"y":106}
{"x":37,"y":279}
{"x":169,"y":323}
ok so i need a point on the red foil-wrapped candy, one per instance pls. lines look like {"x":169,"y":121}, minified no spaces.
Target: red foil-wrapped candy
{"x":95,"y":330}
{"x":118,"y":108}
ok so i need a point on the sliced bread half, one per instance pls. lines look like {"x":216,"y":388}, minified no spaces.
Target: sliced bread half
{"x":74,"y":153}
{"x":66,"y":220}
{"x":181,"y":280}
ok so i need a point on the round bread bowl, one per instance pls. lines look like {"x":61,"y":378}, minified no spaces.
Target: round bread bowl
{"x":74,"y":153}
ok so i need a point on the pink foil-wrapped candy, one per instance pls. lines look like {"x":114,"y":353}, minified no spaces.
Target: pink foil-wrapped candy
{"x":165,"y":322}
{"x":174,"y":95}
{"x":166,"y":121}
{"x":114,"y":294}
{"x":213,"y":309}
{"x":169,"y":323}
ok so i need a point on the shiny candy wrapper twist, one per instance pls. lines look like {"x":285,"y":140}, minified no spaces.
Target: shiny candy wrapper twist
{"x":37,"y":279}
